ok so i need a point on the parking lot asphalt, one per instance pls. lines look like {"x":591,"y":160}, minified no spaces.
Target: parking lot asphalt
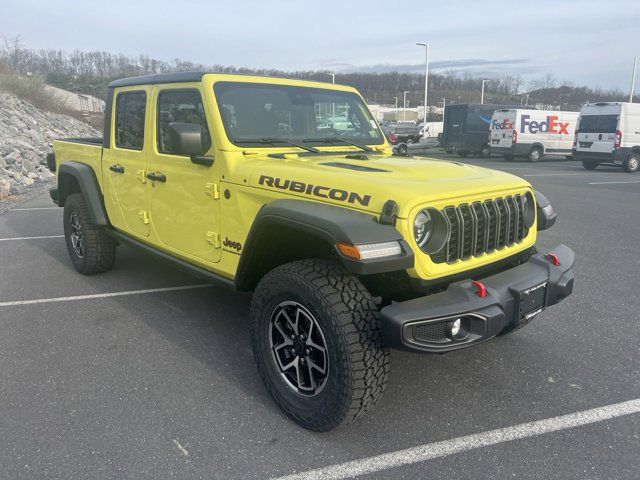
{"x":162,"y":384}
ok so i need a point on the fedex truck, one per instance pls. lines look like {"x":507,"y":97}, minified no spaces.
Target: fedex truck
{"x":532,"y":133}
{"x":609,"y":133}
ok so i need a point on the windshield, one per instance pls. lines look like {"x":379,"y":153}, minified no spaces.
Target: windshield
{"x":253,"y":112}
{"x":598,"y":123}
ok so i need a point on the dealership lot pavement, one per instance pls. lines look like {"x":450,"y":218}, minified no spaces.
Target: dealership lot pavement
{"x":161,"y":383}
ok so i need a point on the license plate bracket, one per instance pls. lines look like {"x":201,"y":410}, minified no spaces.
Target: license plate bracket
{"x":532,"y":301}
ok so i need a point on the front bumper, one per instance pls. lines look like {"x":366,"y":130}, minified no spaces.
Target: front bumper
{"x":421,"y":324}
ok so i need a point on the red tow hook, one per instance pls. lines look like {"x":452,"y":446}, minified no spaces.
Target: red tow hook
{"x":482,"y":290}
{"x":554,"y":259}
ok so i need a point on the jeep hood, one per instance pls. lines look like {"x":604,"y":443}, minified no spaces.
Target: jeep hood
{"x":367,"y":184}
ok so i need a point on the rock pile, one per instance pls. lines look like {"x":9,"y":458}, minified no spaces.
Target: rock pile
{"x":26,"y":136}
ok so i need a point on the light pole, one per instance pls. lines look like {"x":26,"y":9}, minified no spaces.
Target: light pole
{"x":404,"y":105}
{"x":396,"y":115}
{"x":633,"y":79}
{"x":482,"y":94}
{"x":333,"y":105}
{"x":444,"y":105}
{"x":426,"y":76}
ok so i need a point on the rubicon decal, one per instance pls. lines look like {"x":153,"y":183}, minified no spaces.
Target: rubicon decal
{"x":315,"y":190}
{"x":551,"y":125}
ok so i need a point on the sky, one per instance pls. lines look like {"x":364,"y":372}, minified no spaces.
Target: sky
{"x":586,"y":42}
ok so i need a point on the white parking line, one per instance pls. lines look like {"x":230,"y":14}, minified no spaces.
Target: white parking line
{"x":555,"y":174}
{"x":604,"y":183}
{"x":101,"y":295}
{"x":34,"y":208}
{"x":30,"y":238}
{"x":456,"y":445}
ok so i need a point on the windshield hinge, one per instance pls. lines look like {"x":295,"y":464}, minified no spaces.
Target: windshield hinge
{"x":211,"y":189}
{"x":213,"y":239}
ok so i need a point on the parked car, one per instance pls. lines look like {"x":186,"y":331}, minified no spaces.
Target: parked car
{"x":531,"y":133}
{"x":406,"y":132}
{"x":466,"y":128}
{"x":608,"y":133}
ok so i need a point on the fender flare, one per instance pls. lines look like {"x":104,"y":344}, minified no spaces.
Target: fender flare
{"x":88,"y":183}
{"x":329,"y":223}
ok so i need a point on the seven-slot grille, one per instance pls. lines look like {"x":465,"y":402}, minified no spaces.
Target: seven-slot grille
{"x":482,"y":227}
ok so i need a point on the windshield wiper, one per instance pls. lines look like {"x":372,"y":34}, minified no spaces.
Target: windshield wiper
{"x":339,"y":140}
{"x":273,"y":141}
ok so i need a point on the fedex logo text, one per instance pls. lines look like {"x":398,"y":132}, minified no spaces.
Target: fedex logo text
{"x":551,"y":125}
{"x":504,"y":125}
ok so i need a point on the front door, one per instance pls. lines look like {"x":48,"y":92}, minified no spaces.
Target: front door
{"x":183,"y":205}
{"x":124,"y":163}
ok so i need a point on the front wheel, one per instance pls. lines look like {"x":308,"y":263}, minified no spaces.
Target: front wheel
{"x":632,"y":163}
{"x":535,"y":154}
{"x":316,"y":340}
{"x":402,"y":149}
{"x":90,"y":248}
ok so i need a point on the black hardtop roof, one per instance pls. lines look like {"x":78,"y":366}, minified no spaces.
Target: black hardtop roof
{"x":178,"y":77}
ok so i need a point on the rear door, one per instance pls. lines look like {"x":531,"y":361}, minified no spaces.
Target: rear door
{"x":184,"y":207}
{"x":124,"y":163}
{"x":454,"y":125}
{"x":503,"y":123}
{"x":567,"y":131}
{"x":597,"y":132}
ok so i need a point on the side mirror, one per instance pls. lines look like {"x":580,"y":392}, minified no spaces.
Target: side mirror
{"x":186,"y":139}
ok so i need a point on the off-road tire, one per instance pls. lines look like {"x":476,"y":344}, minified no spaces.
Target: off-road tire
{"x":358,"y":362}
{"x":632,"y":163}
{"x":589,"y":164}
{"x":535,"y":154}
{"x":99,"y":249}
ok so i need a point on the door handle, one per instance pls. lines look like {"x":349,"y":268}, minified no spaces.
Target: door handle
{"x":116,"y":168}
{"x":156,"y":177}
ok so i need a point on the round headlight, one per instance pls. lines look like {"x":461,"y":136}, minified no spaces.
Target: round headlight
{"x":430,"y":230}
{"x":422,"y":227}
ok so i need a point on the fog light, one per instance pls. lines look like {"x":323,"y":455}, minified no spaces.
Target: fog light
{"x":455,"y":327}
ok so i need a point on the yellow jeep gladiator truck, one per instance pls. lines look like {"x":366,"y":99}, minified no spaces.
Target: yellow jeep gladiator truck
{"x":289,"y":189}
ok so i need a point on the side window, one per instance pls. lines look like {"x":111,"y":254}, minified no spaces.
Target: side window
{"x":130,"y":109}
{"x":181,"y":106}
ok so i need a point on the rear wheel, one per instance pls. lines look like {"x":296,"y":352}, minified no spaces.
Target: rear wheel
{"x":632,"y":163}
{"x":316,"y":339}
{"x":484,"y":152}
{"x":402,"y":148}
{"x":90,"y":248}
{"x":535,"y":154}
{"x":589,"y":164}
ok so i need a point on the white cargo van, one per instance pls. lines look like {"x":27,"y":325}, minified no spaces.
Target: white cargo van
{"x":609,"y":133}
{"x":517,"y":132}
{"x":431,"y":129}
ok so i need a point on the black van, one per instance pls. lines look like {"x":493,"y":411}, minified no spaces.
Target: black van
{"x":466,"y":128}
